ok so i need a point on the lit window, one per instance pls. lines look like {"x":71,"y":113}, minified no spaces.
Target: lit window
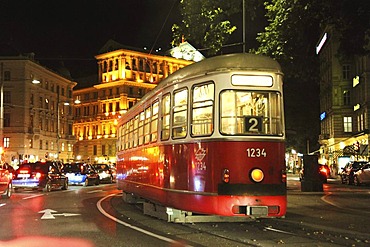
{"x":347,"y":124}
{"x":6,"y":142}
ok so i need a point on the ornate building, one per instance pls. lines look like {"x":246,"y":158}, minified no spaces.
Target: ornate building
{"x":124,"y":76}
{"x":344,"y":103}
{"x":36,"y":122}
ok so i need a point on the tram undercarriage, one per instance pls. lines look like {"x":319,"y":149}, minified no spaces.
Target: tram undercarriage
{"x":179,"y":216}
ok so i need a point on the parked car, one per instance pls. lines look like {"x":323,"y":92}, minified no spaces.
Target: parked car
{"x":81,"y":174}
{"x":45,"y":176}
{"x":362,"y":176}
{"x":107,"y":174}
{"x":322,"y":170}
{"x":6,"y":178}
{"x":348,"y":171}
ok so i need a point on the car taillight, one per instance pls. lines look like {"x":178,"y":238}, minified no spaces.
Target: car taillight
{"x":324,"y":170}
{"x":38,"y":175}
{"x":23,"y":171}
{"x":283,"y":176}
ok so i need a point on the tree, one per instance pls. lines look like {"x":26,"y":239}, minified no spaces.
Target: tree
{"x":294,"y":29}
{"x":206,"y":22}
{"x":290,"y":37}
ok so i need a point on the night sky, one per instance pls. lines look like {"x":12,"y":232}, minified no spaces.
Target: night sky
{"x":73,"y":31}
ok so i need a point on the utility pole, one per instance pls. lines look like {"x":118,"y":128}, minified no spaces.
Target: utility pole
{"x":243,"y":26}
{"x":2,"y":105}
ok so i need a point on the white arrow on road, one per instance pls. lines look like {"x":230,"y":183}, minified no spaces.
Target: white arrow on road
{"x":48,"y":214}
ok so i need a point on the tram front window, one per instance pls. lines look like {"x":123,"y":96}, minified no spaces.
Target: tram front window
{"x":251,"y":113}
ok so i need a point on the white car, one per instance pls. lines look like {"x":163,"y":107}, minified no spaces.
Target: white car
{"x":362,"y":176}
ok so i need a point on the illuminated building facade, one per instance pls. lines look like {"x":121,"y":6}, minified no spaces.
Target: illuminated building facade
{"x":37,"y":123}
{"x":344,"y":103}
{"x":124,"y":76}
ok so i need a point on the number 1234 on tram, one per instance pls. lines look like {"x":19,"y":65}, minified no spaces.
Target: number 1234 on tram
{"x":209,"y":140}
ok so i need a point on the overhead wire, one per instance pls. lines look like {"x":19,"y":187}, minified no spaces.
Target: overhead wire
{"x":164,"y":23}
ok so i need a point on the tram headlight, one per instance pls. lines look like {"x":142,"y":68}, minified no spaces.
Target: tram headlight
{"x":226,"y":176}
{"x":257,"y":175}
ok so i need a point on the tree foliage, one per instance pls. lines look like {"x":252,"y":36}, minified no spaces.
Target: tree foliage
{"x":294,"y":29}
{"x":206,"y":24}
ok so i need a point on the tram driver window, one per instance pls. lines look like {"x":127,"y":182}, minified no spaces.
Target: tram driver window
{"x":251,"y":113}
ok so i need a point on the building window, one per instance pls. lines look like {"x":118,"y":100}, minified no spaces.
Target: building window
{"x":103,"y":149}
{"x":95,"y":150}
{"x":6,"y":142}
{"x":6,"y":119}
{"x":347,"y":124}
{"x":7,"y":76}
{"x":7,"y":97}
{"x":346,"y":72}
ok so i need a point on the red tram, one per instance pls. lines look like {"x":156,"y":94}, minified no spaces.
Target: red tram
{"x":209,"y":139}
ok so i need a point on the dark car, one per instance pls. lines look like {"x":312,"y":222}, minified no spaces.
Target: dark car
{"x":323,"y":173}
{"x":81,"y":174}
{"x":45,"y":176}
{"x":6,"y":180}
{"x":106,"y":172}
{"x":347,"y":172}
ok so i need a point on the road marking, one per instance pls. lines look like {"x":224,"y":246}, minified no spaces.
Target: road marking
{"x":48,"y":214}
{"x":277,"y":230}
{"x":94,"y":191}
{"x":2,"y":204}
{"x":100,"y":208}
{"x":30,"y":197}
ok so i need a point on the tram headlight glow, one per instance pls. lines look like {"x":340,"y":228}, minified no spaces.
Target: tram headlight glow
{"x":257,"y":175}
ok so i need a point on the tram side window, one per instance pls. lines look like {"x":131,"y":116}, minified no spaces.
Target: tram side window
{"x":141,"y":128}
{"x":147,"y":125}
{"x":250,"y":113}
{"x":202,"y":111}
{"x":180,"y":112}
{"x":131,"y":134}
{"x":136,"y":125}
{"x":165,"y":113}
{"x":125,"y":136}
{"x":154,"y":122}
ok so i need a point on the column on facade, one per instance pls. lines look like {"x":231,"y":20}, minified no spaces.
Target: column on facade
{"x":120,"y":68}
{"x":158,"y":66}
{"x":100,"y":70}
{"x":170,"y":68}
{"x":128,"y":67}
{"x":165,"y":69}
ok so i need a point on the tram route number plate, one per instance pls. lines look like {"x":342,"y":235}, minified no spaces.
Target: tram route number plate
{"x":253,"y":123}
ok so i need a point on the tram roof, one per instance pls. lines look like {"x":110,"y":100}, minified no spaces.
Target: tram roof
{"x":235,"y":61}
